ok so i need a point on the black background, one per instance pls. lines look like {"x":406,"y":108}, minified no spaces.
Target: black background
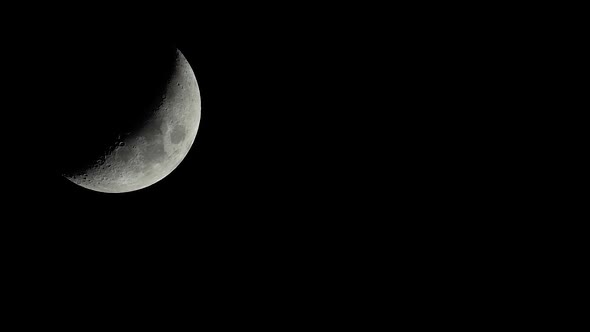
{"x":321,"y":159}
{"x":335,"y":143}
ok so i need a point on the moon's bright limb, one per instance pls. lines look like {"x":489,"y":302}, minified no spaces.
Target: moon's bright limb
{"x":142,"y":158}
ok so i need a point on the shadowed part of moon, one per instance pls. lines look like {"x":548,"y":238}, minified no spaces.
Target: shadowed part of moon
{"x":157,"y":144}
{"x":153,"y":128}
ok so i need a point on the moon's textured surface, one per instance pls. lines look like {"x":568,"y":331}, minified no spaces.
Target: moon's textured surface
{"x":155,"y":147}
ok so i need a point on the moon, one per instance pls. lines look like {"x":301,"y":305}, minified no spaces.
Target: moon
{"x":150,"y":150}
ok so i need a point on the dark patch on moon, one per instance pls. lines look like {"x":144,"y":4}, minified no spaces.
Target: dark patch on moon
{"x":178,"y":134}
{"x":154,"y":153}
{"x":124,"y":154}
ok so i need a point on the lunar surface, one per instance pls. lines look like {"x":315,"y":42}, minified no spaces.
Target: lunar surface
{"x":156,"y":146}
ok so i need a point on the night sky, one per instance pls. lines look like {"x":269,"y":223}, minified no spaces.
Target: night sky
{"x":336,"y":145}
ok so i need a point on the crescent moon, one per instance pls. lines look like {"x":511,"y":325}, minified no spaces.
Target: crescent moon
{"x":141,"y":158}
